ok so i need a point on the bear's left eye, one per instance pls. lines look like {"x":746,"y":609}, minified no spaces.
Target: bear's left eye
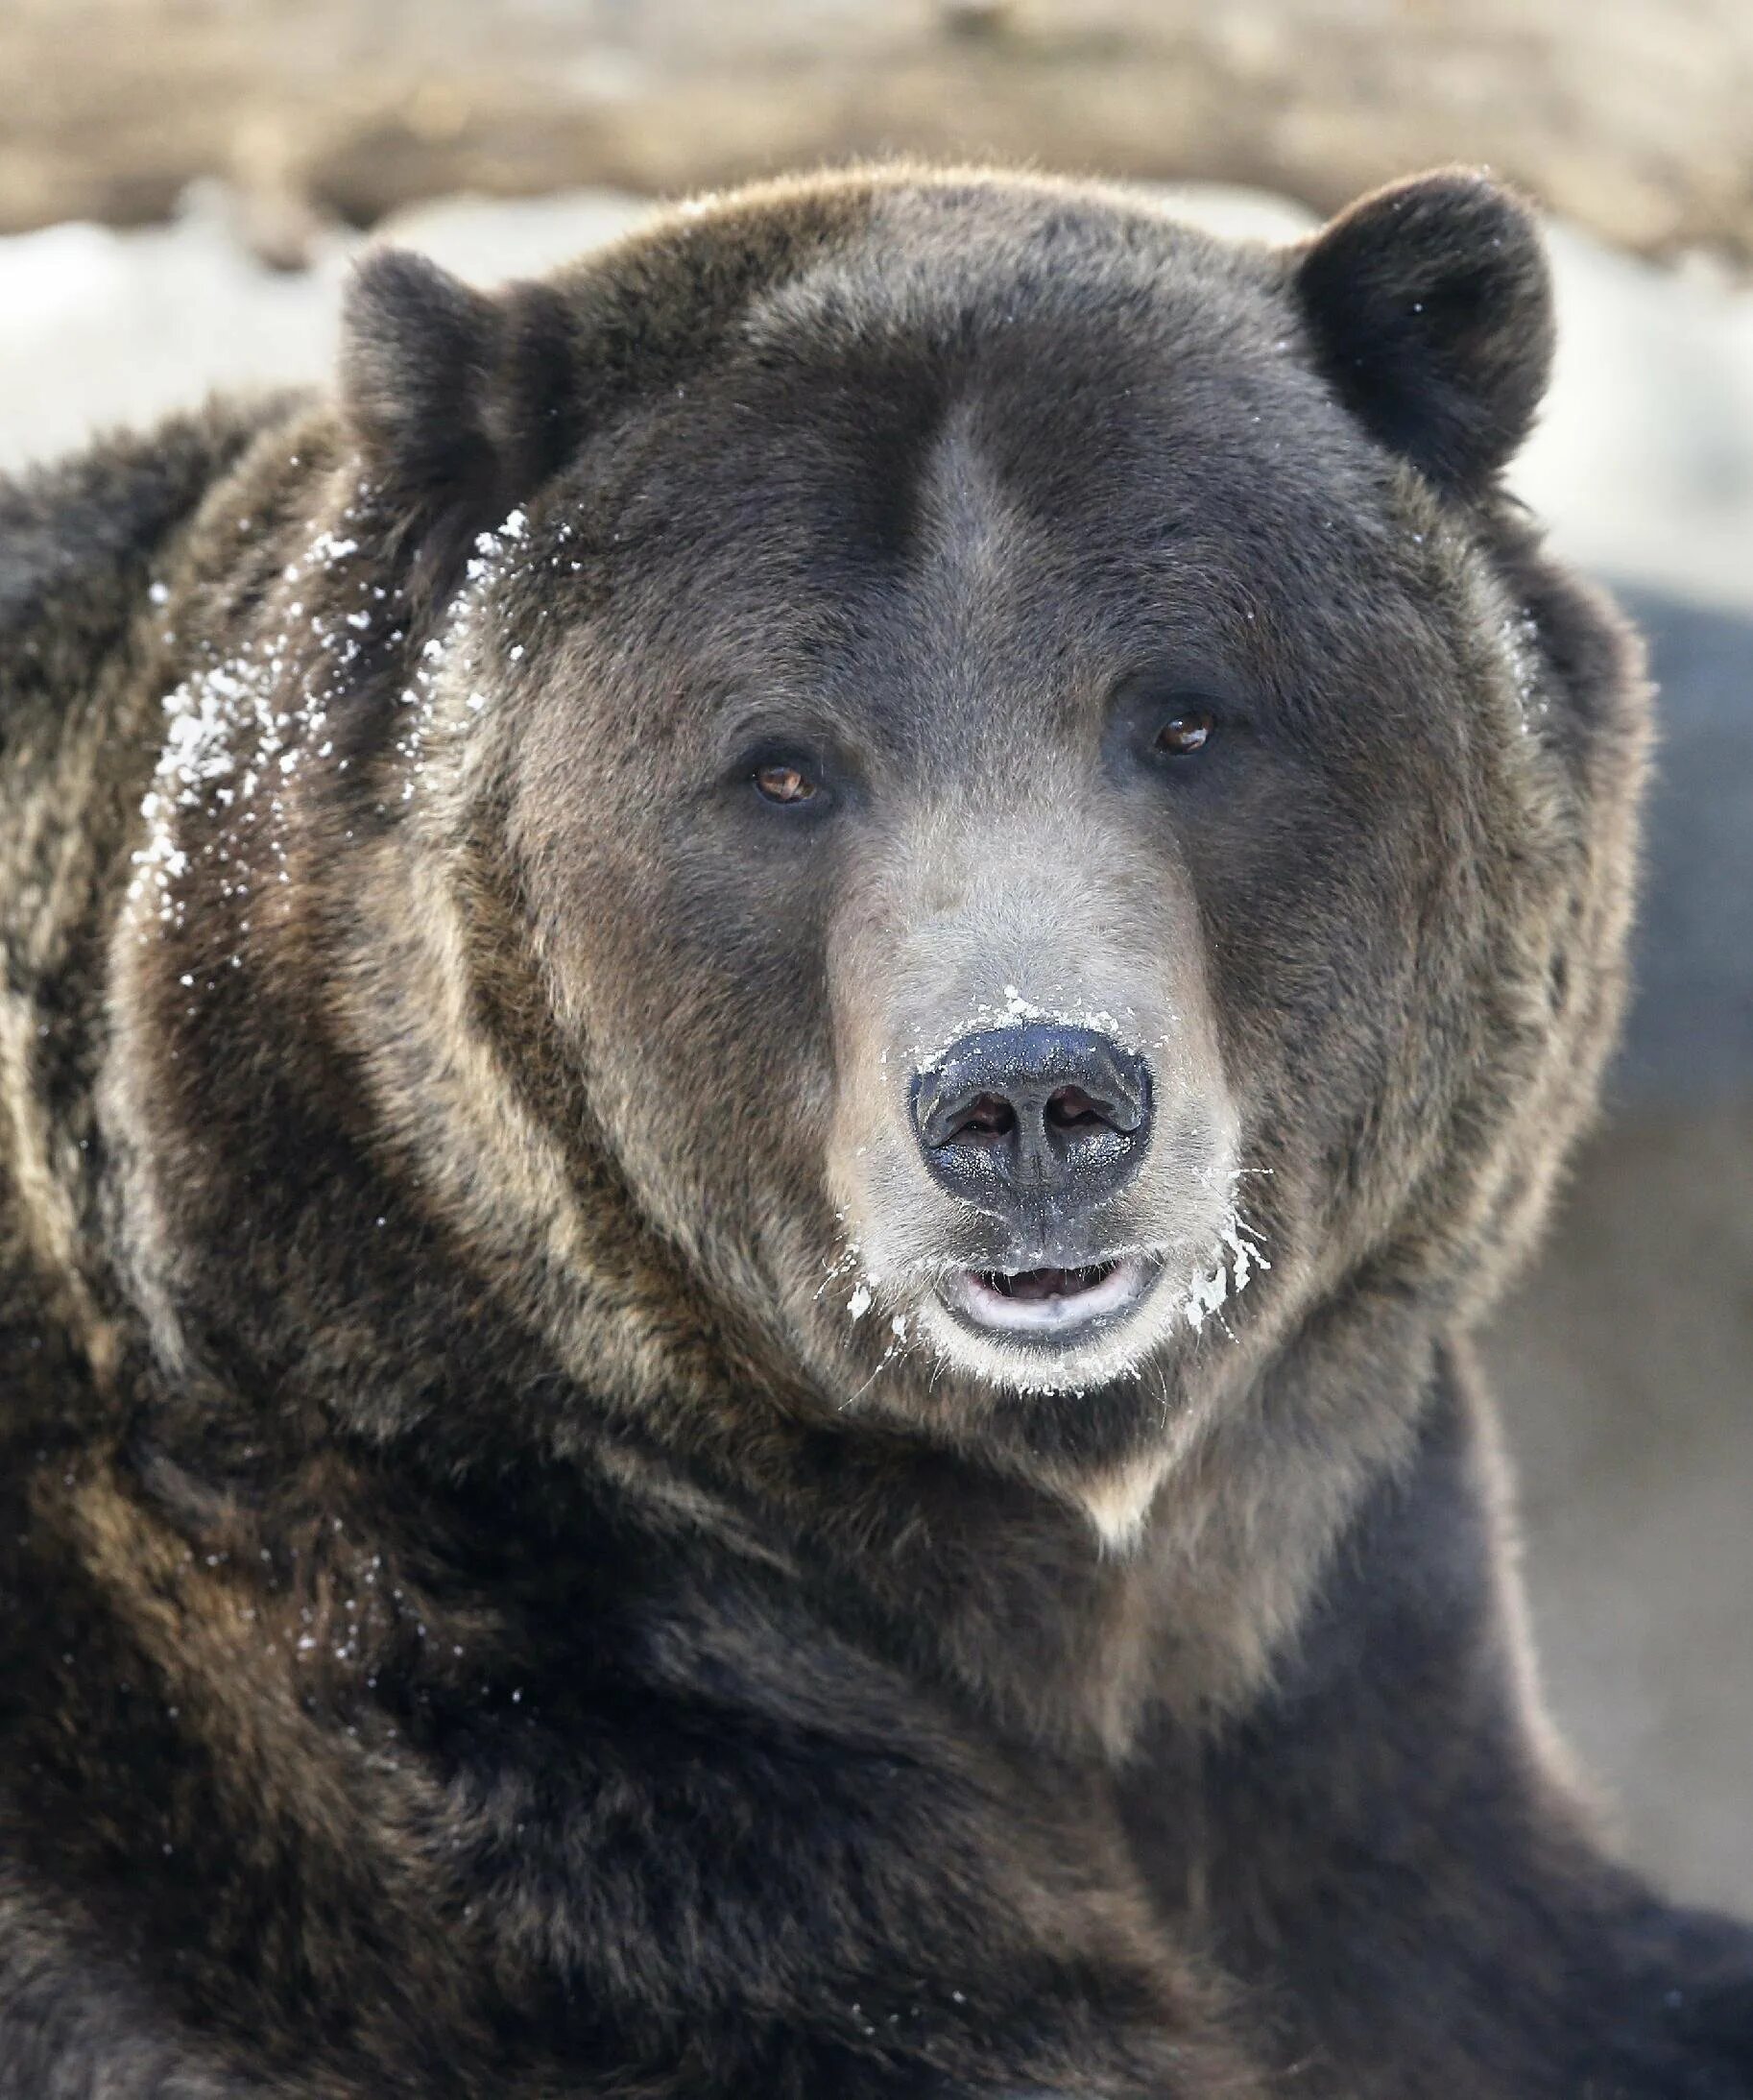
{"x":1187,"y":731}
{"x":1170,"y":723}
{"x":782,"y":781}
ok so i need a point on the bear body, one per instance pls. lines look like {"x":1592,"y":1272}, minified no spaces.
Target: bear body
{"x":768,"y":1029}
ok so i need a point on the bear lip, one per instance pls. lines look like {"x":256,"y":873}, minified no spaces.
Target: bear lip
{"x":1048,"y":1303}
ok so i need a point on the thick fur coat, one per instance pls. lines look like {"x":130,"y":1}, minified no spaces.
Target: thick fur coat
{"x":538,"y":1557}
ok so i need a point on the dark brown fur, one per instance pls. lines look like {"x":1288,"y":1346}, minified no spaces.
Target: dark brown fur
{"x":477,"y":1613}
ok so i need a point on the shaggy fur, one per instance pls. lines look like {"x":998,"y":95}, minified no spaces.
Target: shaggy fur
{"x":509,"y":1581}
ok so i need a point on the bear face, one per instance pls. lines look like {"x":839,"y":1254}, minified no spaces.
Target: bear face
{"x":1039,"y":799}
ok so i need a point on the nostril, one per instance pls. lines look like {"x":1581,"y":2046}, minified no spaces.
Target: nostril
{"x":1073,"y":1109}
{"x":985,"y":1117}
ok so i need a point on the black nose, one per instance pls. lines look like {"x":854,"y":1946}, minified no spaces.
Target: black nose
{"x":1040,"y":1116}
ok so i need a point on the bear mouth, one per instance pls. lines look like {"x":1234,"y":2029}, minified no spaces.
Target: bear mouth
{"x":1056,"y":1304}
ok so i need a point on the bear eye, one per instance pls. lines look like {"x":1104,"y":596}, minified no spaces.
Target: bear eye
{"x":784,"y":782}
{"x":1187,"y":731}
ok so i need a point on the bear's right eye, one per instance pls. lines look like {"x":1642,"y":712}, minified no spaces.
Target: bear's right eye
{"x":784,"y":782}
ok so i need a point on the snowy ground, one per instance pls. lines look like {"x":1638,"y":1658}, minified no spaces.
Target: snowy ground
{"x":1627,"y":1364}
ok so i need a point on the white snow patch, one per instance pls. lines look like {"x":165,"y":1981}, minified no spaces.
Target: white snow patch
{"x":1016,"y":1010}
{"x":1241,"y":1256}
{"x":1519,"y":638}
{"x":454,"y":645}
{"x":230,"y":726}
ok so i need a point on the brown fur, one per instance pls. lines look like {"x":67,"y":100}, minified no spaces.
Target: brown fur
{"x":511,"y":1582}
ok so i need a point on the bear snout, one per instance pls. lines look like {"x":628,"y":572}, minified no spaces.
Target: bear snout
{"x":1041,"y":1122}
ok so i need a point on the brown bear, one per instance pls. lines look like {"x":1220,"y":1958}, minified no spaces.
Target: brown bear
{"x":768,"y":1029}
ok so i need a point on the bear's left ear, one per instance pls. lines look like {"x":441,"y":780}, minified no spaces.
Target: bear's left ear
{"x":1430,"y":307}
{"x":460,"y":403}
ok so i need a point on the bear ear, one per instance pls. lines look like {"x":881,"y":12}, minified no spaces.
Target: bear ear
{"x":456,"y":399}
{"x":1430,"y":306}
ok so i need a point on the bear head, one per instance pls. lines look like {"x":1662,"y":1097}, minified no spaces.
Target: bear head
{"x":966,"y":807}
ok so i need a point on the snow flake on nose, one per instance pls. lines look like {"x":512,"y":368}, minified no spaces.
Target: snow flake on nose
{"x":1016,"y":1011}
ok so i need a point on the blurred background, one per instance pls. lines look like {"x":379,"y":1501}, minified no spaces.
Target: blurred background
{"x":183,"y":181}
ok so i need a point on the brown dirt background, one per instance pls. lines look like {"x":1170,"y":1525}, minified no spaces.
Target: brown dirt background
{"x":1631,"y":117}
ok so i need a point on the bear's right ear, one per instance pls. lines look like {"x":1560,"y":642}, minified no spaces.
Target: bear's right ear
{"x":458,"y":401}
{"x":1430,"y":306}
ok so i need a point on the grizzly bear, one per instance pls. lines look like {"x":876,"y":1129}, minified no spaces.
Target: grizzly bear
{"x":768,"y":1030}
